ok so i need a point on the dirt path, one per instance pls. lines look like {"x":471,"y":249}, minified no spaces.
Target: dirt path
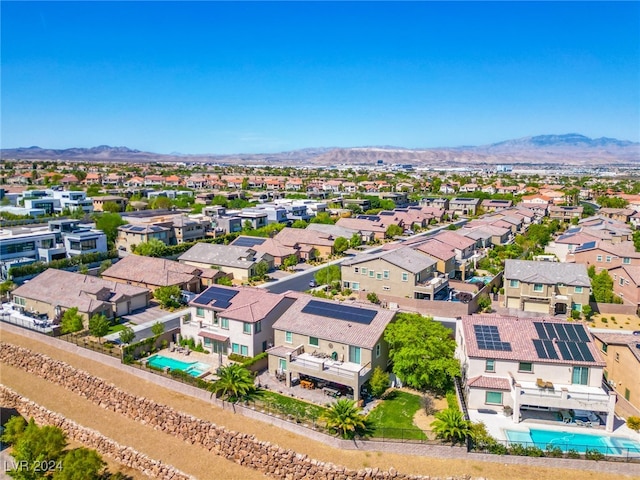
{"x":202,"y":464}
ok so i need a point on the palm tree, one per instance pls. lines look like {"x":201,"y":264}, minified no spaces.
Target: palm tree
{"x":234,"y":383}
{"x":344,"y":417}
{"x":451,"y":426}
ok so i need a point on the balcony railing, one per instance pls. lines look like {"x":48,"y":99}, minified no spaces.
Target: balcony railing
{"x":305,"y":363}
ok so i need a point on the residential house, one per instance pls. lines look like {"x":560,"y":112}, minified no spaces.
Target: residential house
{"x":310,"y":243}
{"x":332,"y":345}
{"x":626,"y":283}
{"x":443,"y":254}
{"x":234,"y":319}
{"x":620,"y":214}
{"x":440,"y":203}
{"x":92,"y":178}
{"x":464,"y":206}
{"x":605,"y":255}
{"x":368,"y":225}
{"x":152,"y":273}
{"x":241,"y":262}
{"x":269,"y":246}
{"x":546,"y":287}
{"x":99,"y":202}
{"x":402,"y":272}
{"x":131,"y":235}
{"x":530,"y":365}
{"x":54,"y":291}
{"x":153,"y":180}
{"x":492,"y":205}
{"x":621,"y":353}
{"x":564,"y":213}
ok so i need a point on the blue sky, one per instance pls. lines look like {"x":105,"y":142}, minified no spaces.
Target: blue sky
{"x":216,"y":77}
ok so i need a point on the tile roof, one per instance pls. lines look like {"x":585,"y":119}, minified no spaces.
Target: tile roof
{"x":293,"y":236}
{"x":548,"y":273}
{"x":152,"y":271}
{"x":520,"y":333}
{"x":406,"y":258}
{"x":494,"y":383}
{"x":68,"y":289}
{"x":331,"y":329}
{"x":437,"y":249}
{"x":223,"y":255}
{"x":610,"y":338}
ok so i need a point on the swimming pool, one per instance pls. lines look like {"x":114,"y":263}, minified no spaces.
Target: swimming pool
{"x":580,"y":442}
{"x":484,"y":280}
{"x":195,"y":369}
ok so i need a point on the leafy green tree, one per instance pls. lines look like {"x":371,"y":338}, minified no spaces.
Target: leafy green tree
{"x":71,"y":321}
{"x":169,"y":296}
{"x":99,"y":325}
{"x":5,"y":288}
{"x":14,"y":427}
{"x":104,"y":266}
{"x":421,"y":351}
{"x":160,"y":203}
{"x":234,"y":383}
{"x":340,"y":245}
{"x":111,"y":207}
{"x":152,"y":248}
{"x":299,"y":224}
{"x":109,"y":223}
{"x":157,"y":329}
{"x":345,"y":419}
{"x":261,"y":270}
{"x":451,"y":426}
{"x":290,"y":261}
{"x":355,"y":241}
{"x":80,"y":464}
{"x":324,"y":218}
{"x":35,"y":446}
{"x":634,"y":423}
{"x":602,"y":287}
{"x":484,"y":303}
{"x":587,"y":311}
{"x":636,"y":240}
{"x":613,"y":202}
{"x":328,"y":275}
{"x":379,"y":382}
{"x":591,"y":271}
{"x":127,"y":335}
{"x":246,"y":226}
{"x":393,"y":231}
{"x":224,"y":281}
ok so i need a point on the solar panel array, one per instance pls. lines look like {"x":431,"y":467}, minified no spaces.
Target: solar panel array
{"x":371,"y":218}
{"x":386,"y":213}
{"x":222,"y":297}
{"x":339,"y":312}
{"x":585,"y":246}
{"x":571,"y":341}
{"x":136,"y":229}
{"x":488,"y":338}
{"x":248,"y":241}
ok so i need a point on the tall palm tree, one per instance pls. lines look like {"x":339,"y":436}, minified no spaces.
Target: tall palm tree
{"x":344,"y":417}
{"x":451,"y":426}
{"x":234,"y":383}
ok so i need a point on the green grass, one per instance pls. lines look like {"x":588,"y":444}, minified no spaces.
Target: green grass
{"x":116,"y":328}
{"x":393,"y":418}
{"x":289,"y":406}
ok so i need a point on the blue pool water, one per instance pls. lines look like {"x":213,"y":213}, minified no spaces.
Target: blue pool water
{"x":579,"y":442}
{"x":484,"y":280}
{"x":195,"y":369}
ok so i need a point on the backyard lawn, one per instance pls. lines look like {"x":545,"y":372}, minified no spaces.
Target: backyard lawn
{"x":290,"y":406}
{"x":393,"y":418}
{"x":116,"y":328}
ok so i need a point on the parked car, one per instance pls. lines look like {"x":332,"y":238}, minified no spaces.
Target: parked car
{"x":313,"y":284}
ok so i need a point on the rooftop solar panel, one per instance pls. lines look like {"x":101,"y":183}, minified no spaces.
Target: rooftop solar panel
{"x":221,"y":296}
{"x":582,"y":333}
{"x":586,"y":246}
{"x":248,"y":241}
{"x":340,"y":312}
{"x":586,"y":353}
{"x":540,"y":350}
{"x":551,"y":350}
{"x":575,"y":352}
{"x":564,"y":351}
{"x":488,"y":338}
{"x":386,"y":213}
{"x":542,"y":334}
{"x":136,"y":229}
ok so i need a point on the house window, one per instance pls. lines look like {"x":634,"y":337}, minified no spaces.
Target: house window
{"x":604,"y":347}
{"x":608,"y":258}
{"x":378,"y":276}
{"x":580,"y":376}
{"x":199,"y":312}
{"x":356,"y":269}
{"x":363,"y":271}
{"x":626,"y":260}
{"x":282,"y":364}
{"x":354,"y":354}
{"x":235,"y":348}
{"x":599,"y":258}
{"x":617,"y":356}
{"x":525,"y":367}
{"x":405,"y":277}
{"x":537,"y":287}
{"x":258,"y":326}
{"x":493,"y":398}
{"x":224,"y":323}
{"x":386,"y":274}
{"x":386,"y":289}
{"x":244,"y":350}
{"x":215,"y":320}
{"x":490,"y":365}
{"x":288,"y":337}
{"x":246,"y":328}
{"x":514,"y":283}
{"x":577,"y":307}
{"x":371,"y":273}
{"x":314,"y":341}
{"x":378,"y":350}
{"x":621,"y":281}
{"x":577,"y":289}
{"x":627,"y":394}
{"x":355,"y":286}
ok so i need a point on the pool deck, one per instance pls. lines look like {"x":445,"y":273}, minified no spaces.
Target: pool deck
{"x":193,"y":357}
{"x":497,"y":423}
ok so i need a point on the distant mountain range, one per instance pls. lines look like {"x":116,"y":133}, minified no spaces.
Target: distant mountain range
{"x":569,"y":149}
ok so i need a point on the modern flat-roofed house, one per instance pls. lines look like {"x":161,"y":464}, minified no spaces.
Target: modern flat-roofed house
{"x":239,"y":261}
{"x":55,"y":291}
{"x":403,"y":272}
{"x":546,"y":287}
{"x":330,"y":343}
{"x":234,"y":319}
{"x":621,"y":353}
{"x":532,"y":365}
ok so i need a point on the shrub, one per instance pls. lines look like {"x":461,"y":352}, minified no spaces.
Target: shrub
{"x":593,"y":455}
{"x":633,"y":423}
{"x":575,"y":314}
{"x":452,"y":400}
{"x":573,"y":453}
{"x":555,"y":452}
{"x":373,"y":297}
{"x":428,"y":405}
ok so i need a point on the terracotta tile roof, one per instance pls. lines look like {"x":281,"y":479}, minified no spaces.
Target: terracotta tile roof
{"x":494,"y":383}
{"x":437,"y":249}
{"x":520,"y":333}
{"x":152,"y":271}
{"x":331,"y":329}
{"x":610,"y":338}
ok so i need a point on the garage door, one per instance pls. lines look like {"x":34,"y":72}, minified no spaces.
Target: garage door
{"x":513,"y":303}
{"x":536,"y":307}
